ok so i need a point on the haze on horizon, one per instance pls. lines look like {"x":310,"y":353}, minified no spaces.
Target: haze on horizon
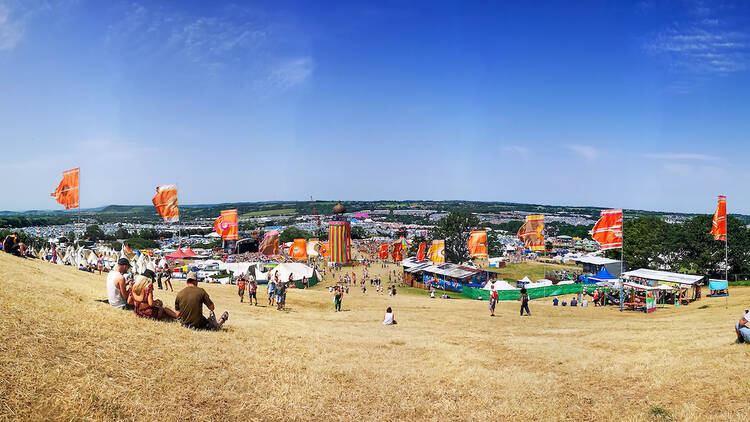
{"x":641,"y":105}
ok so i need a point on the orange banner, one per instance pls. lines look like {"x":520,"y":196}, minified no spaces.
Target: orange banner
{"x":298,"y":250}
{"x":383,"y":251}
{"x":396,"y":253}
{"x":477,"y":244}
{"x":165,"y":202}
{"x":719,"y":226}
{"x":226,"y":225}
{"x":421,"y":252}
{"x":68,"y":189}
{"x":608,"y":230}
{"x":323,"y":251}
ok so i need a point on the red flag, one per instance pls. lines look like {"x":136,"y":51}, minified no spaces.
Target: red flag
{"x":719,"y":226}
{"x":383,"y":253}
{"x":67,"y":191}
{"x":608,"y":230}
{"x":396,"y":253}
{"x":226,"y":225}
{"x":421,"y":252}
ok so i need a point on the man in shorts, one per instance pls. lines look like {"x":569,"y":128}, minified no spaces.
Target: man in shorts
{"x":493,"y":300}
{"x":241,"y":284}
{"x":252,"y":291}
{"x":271,"y":291}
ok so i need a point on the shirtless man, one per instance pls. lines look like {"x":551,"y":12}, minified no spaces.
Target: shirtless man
{"x":117,"y":293}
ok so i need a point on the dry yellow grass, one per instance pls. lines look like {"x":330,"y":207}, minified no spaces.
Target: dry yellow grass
{"x":64,"y":356}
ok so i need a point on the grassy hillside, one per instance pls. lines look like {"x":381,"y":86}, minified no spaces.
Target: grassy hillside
{"x":65,"y":356}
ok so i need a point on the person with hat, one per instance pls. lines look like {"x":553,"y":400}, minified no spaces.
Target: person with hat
{"x":189,"y":307}
{"x":117,"y":292}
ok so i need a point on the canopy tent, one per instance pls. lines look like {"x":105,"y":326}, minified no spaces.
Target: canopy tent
{"x":178,"y":254}
{"x":188,"y":253}
{"x":663,"y":277}
{"x":525,"y":280}
{"x":603,"y":275}
{"x":298,"y":270}
{"x":499,"y":285}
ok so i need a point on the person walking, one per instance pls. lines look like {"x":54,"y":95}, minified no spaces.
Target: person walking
{"x":252,"y":291}
{"x":272,"y":290}
{"x":493,"y":300}
{"x":337,"y":298}
{"x":525,"y":302}
{"x":241,"y":285}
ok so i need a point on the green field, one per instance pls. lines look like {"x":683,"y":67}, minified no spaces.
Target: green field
{"x":269,"y":213}
{"x":533,"y":270}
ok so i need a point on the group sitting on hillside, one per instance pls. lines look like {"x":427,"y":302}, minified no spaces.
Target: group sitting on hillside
{"x":13,"y":245}
{"x":742,"y":328}
{"x":139,"y":296}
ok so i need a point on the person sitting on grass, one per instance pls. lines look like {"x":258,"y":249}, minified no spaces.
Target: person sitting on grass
{"x":573,"y":302}
{"x":388,"y":319}
{"x":117,"y":292}
{"x":742,"y":328}
{"x":13,"y":246}
{"x":555,"y":301}
{"x":189,"y":306}
{"x":144,"y":304}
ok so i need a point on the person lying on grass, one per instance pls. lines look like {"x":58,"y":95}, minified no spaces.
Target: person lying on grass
{"x":144,"y":305}
{"x":189,"y":306}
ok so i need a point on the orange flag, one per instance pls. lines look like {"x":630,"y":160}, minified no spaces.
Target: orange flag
{"x":226,"y":225}
{"x":608,"y":230}
{"x":383,"y":251}
{"x":396,"y":254}
{"x":298,"y":250}
{"x":421,"y":252}
{"x":165,"y":202}
{"x":477,"y":244}
{"x":719,"y":226}
{"x":67,"y":191}
{"x":323,"y":251}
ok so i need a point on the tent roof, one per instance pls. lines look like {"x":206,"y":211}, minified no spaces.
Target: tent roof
{"x":596,"y":260}
{"x":525,"y":280}
{"x":603,"y":275}
{"x":176,"y":254}
{"x":664,"y":276}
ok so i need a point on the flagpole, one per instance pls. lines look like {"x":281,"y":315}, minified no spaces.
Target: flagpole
{"x":726,"y":259}
{"x":622,"y":260}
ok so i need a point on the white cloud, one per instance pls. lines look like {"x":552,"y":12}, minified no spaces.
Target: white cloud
{"x":11,"y":30}
{"x":289,"y":74}
{"x":586,"y":152}
{"x":682,"y":157}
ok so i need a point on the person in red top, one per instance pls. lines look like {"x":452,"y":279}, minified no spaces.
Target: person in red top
{"x":493,"y":300}
{"x":241,"y":284}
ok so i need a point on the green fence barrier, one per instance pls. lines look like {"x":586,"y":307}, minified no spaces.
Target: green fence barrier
{"x":310,"y":282}
{"x":534,"y":293}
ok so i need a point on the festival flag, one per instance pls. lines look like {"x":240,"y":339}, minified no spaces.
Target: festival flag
{"x":323,"y":251}
{"x":530,"y":233}
{"x":477,"y":244}
{"x":298,"y":250}
{"x":270,"y":244}
{"x":68,"y":189}
{"x":226,"y":225}
{"x":719,"y":226}
{"x":340,"y":242}
{"x":312,"y":248}
{"x":608,"y":230}
{"x":383,"y":251}
{"x":396,"y":253}
{"x":421,"y":252}
{"x":437,"y":251}
{"x":165,"y":202}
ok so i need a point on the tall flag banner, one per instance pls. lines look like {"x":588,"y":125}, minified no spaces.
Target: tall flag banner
{"x":324,"y":249}
{"x":477,"y":244}
{"x":383,"y":253}
{"x":396,"y":253}
{"x":421,"y":252}
{"x":298,"y":250}
{"x":719,"y":226}
{"x":608,"y":230}
{"x":165,"y":202}
{"x":68,"y":189}
{"x":270,"y":244}
{"x":437,"y":251}
{"x":340,"y":241}
{"x":226,"y":225}
{"x":313,"y":245}
{"x":530,"y":233}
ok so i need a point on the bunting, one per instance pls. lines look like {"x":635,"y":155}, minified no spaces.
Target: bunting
{"x":719,"y":226}
{"x":608,"y":230}
{"x":165,"y":202}
{"x":226,"y":225}
{"x":477,"y":244}
{"x":68,"y":189}
{"x":531,"y":234}
{"x":437,"y":251}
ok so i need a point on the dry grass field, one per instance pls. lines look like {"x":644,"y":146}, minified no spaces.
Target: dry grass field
{"x":65,"y":356}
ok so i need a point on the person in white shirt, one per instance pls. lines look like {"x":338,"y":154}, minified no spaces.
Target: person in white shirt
{"x":117,"y":294}
{"x":584,"y":302}
{"x":388,"y":319}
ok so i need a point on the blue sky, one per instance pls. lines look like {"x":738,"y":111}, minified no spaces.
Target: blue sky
{"x":635,"y":105}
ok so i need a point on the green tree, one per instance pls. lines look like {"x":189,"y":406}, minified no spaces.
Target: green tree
{"x":359,"y":233}
{"x":454,"y":229}
{"x":494,"y":247}
{"x":415,"y":241}
{"x":291,"y":233}
{"x":94,"y":233}
{"x":140,"y":243}
{"x":122,"y":233}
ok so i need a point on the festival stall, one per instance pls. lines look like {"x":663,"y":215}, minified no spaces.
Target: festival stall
{"x":298,"y":271}
{"x":679,"y":289}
